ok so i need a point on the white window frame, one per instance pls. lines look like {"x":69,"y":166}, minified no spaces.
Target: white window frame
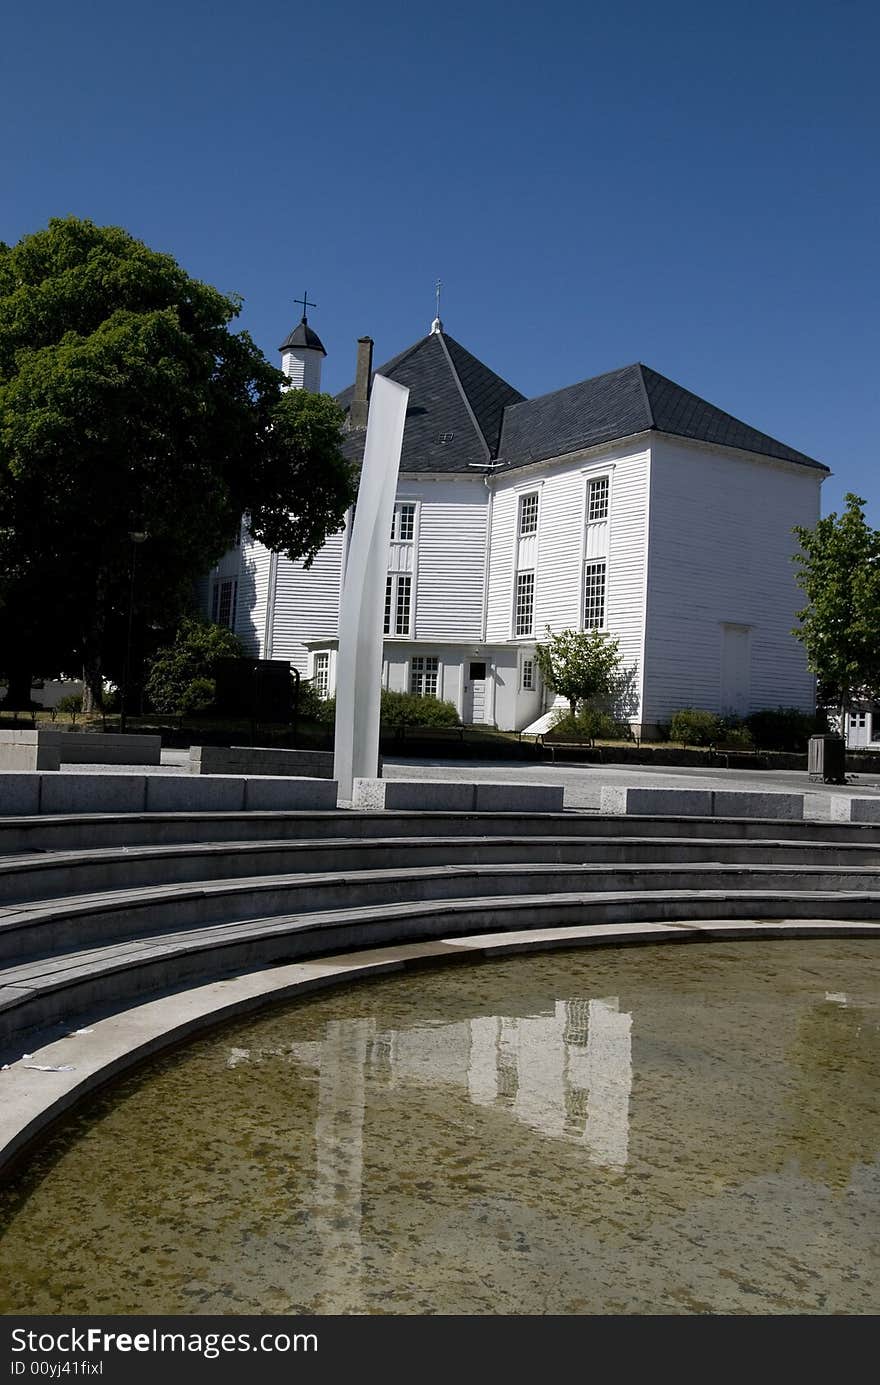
{"x":321,"y":674}
{"x":224,"y":587}
{"x":411,"y":509}
{"x":528,"y":670}
{"x":391,"y":623}
{"x":528,"y":506}
{"x":422,"y":669}
{"x":594,"y":482}
{"x":602,"y":598}
{"x":521,"y":585}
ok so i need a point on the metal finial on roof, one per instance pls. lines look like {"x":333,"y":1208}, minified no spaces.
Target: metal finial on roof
{"x":305,"y":304}
{"x":437,"y":325}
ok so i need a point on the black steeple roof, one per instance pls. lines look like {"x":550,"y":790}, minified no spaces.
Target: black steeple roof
{"x":302,"y":335}
{"x":456,"y":405}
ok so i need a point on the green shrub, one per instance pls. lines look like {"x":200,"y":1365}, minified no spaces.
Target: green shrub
{"x":784,"y":728}
{"x":406,"y":709}
{"x":590,"y":725}
{"x":311,"y":706}
{"x":198,"y":696}
{"x":693,"y":726}
{"x":738,"y":736}
{"x":72,"y":705}
{"x":197,"y":647}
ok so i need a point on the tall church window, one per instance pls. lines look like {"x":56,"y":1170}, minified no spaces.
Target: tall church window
{"x":597,"y":500}
{"x":398,"y":604}
{"x":224,"y":598}
{"x":528,"y":513}
{"x":524,"y":613}
{"x":526,"y":562}
{"x":403,"y":525}
{"x":594,"y":595}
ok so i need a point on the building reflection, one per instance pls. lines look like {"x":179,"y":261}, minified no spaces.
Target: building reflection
{"x":565,"y":1073}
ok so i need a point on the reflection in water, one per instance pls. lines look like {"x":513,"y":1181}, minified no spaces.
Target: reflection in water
{"x":656,"y":1130}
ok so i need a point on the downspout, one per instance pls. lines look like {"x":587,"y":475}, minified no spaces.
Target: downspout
{"x":271,"y":584}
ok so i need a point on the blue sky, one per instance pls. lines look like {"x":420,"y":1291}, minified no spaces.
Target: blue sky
{"x":690,"y":185}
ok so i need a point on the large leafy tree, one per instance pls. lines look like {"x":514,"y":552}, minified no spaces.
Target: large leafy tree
{"x":839,"y":628}
{"x":584,"y":666}
{"x":127,"y":404}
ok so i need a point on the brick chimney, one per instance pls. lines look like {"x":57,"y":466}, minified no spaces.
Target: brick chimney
{"x":357,"y":414}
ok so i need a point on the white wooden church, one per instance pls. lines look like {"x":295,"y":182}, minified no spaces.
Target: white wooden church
{"x":623,"y":503}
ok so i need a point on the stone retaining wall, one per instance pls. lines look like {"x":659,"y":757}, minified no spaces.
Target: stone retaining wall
{"x":81,"y":748}
{"x":261,"y":760}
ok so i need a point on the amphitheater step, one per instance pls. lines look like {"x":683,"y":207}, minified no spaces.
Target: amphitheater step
{"x":84,"y":983}
{"x":77,"y":832}
{"x":39,"y":928}
{"x":41,"y":876}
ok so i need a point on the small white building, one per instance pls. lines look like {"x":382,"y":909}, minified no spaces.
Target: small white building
{"x":622,"y":503}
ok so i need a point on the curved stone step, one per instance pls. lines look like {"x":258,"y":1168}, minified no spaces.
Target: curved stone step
{"x":39,"y":928}
{"x":61,"y":989}
{"x":77,"y":832}
{"x":51,"y":875}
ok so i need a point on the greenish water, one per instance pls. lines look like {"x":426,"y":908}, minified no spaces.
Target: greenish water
{"x":685,"y":1129}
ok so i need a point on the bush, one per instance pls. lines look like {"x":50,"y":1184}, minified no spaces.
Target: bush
{"x":192,"y":658}
{"x":72,"y":705}
{"x":590,"y":725}
{"x":311,"y":706}
{"x":693,"y":726}
{"x":198,"y":696}
{"x":406,"y":709}
{"x":737,"y":736}
{"x":784,"y":728}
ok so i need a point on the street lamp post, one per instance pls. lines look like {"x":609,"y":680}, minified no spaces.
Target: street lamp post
{"x":137,"y":537}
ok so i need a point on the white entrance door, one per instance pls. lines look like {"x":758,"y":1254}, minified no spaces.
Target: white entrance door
{"x":858,"y":730}
{"x":475,"y":692}
{"x":735,"y":669}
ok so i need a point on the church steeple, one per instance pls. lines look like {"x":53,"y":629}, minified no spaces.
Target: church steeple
{"x":302,"y":353}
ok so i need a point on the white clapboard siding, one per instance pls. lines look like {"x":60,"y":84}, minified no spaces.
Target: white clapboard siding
{"x":450,"y":555}
{"x":627,"y":556}
{"x":307,"y":602}
{"x":562,"y":542}
{"x":721,"y":548}
{"x":502,"y":547}
{"x":253,"y":583}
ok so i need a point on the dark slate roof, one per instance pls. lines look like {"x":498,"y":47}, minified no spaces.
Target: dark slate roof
{"x":302,"y":335}
{"x":456,"y":405}
{"x":624,"y":402}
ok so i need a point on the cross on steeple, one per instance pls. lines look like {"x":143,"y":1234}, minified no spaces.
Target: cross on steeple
{"x":305,"y":303}
{"x":437,"y":325}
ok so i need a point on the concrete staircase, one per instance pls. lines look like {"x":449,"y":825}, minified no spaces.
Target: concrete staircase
{"x":97,"y":912}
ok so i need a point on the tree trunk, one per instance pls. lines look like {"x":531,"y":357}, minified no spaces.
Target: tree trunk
{"x":843,"y":711}
{"x":93,"y":685}
{"x":93,"y":662}
{"x":18,"y":693}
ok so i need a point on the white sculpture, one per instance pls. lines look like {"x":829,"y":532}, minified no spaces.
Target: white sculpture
{"x":359,"y":662}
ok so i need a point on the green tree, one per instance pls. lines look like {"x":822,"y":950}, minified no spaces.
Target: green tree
{"x":584,"y":666}
{"x":181,"y":676}
{"x":840,"y":625}
{"x":126,"y":404}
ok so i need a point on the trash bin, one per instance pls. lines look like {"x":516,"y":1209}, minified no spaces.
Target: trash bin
{"x":826,"y":759}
